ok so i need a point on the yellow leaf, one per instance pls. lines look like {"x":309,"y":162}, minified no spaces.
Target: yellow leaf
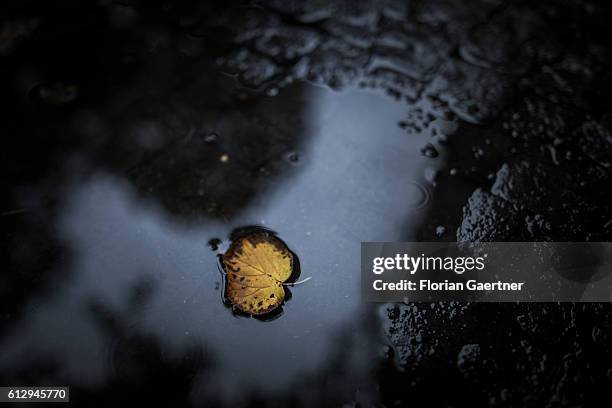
{"x":256,"y":267}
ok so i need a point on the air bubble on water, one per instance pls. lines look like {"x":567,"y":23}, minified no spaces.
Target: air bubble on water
{"x":292,"y":157}
{"x":440,"y":231}
{"x":429,"y":151}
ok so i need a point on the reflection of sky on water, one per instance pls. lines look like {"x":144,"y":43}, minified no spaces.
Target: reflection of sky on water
{"x":358,"y":179}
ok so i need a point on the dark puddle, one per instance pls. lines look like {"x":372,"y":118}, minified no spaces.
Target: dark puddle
{"x":335,"y":172}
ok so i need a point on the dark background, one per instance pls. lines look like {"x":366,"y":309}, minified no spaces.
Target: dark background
{"x":506,"y":103}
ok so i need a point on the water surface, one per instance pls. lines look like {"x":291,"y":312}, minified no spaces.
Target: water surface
{"x":138,"y":268}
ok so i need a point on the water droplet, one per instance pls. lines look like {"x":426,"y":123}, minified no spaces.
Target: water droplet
{"x":440,"y":231}
{"x":214,"y":243}
{"x":442,"y":139}
{"x":211,"y":137}
{"x":429,"y":151}
{"x":272,"y":91}
{"x":453,"y":171}
{"x":468,"y":358}
{"x":224,"y":158}
{"x":431,"y":175}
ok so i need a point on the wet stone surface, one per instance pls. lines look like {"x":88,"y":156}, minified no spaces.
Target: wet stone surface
{"x":144,"y":135}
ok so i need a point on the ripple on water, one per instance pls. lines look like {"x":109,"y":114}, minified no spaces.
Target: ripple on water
{"x":419,"y":196}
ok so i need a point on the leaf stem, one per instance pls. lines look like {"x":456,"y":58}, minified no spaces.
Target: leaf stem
{"x":298,"y":282}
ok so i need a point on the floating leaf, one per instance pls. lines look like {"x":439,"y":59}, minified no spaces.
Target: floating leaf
{"x":257,"y":266}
